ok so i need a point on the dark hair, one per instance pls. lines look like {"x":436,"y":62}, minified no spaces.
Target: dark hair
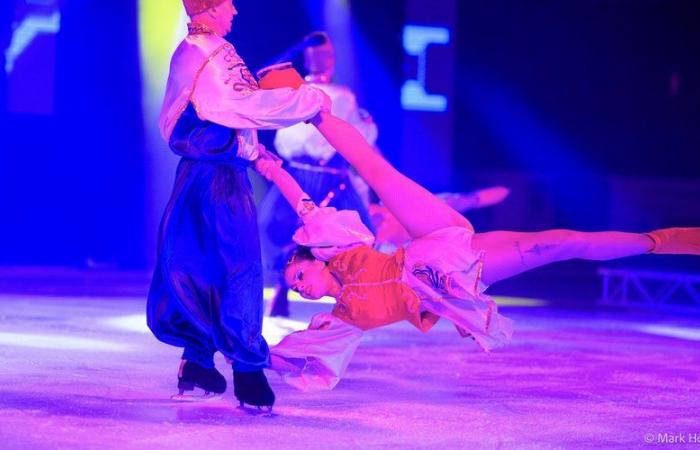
{"x":315,"y":39}
{"x":300,"y":253}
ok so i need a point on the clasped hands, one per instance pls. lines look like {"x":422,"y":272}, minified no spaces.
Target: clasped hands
{"x":267,"y":162}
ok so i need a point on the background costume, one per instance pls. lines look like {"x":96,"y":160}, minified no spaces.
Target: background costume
{"x":313,"y":162}
{"x":206,"y":292}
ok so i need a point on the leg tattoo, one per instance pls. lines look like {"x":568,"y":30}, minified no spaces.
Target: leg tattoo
{"x":538,"y":249}
{"x":520,"y":252}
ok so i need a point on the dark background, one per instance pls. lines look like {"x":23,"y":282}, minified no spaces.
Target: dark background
{"x":589,"y":110}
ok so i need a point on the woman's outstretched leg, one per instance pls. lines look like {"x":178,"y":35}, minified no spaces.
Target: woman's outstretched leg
{"x":508,"y":253}
{"x":418,"y":210}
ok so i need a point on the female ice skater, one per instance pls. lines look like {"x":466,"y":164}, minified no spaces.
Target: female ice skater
{"x":442,"y":273}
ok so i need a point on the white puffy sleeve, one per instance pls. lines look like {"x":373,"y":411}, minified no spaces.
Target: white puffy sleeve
{"x":329,"y":232}
{"x":227,"y":93}
{"x":316,"y":358}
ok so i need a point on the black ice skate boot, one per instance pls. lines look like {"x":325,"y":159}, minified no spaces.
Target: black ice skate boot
{"x":193,"y":375}
{"x":252,"y":388}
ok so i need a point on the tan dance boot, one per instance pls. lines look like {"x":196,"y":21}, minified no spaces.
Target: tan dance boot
{"x":675,"y":241}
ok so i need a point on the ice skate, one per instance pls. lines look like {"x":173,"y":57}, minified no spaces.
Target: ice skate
{"x":192,"y":375}
{"x":252,"y":388}
{"x":676,"y":241}
{"x":481,"y":198}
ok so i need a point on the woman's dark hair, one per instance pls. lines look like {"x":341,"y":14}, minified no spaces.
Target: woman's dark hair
{"x":300,"y":253}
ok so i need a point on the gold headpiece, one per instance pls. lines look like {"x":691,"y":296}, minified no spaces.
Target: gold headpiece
{"x":194,"y":7}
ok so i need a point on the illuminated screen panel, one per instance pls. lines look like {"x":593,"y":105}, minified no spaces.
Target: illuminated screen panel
{"x":30,"y":57}
{"x":427,"y":92}
{"x":416,"y":42}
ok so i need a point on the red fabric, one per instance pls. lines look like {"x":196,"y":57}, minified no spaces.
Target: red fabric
{"x":373,"y":294}
{"x":281,"y":78}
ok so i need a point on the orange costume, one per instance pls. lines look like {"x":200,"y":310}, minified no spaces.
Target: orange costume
{"x":435,"y":276}
{"x":373,"y":294}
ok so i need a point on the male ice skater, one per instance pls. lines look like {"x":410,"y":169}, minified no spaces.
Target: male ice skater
{"x":206,"y":292}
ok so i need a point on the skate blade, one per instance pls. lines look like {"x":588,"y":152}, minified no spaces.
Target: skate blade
{"x":262,"y":411}
{"x":190,"y":398}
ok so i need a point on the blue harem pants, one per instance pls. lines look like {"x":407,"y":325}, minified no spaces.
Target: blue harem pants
{"x":206,"y":292}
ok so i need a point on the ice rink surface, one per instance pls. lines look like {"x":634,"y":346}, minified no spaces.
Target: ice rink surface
{"x":84,"y":373}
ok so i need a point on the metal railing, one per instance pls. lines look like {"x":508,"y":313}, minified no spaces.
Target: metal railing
{"x":649,"y":289}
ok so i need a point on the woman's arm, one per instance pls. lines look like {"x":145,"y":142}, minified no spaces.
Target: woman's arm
{"x":288,"y":186}
{"x":326,"y":230}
